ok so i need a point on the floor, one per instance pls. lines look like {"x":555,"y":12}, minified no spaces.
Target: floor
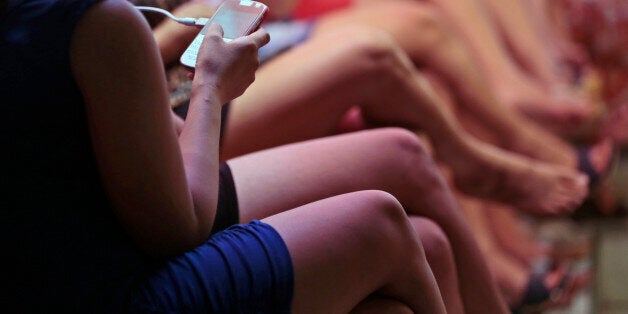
{"x":609,"y":260}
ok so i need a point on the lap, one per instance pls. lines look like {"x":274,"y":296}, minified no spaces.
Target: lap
{"x":244,"y":269}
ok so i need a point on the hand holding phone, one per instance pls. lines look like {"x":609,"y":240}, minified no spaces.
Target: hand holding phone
{"x":228,"y":66}
{"x":237,"y":18}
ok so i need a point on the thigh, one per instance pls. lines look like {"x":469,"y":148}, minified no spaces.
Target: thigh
{"x":244,"y":269}
{"x":331,"y":243}
{"x":320,"y":80}
{"x":277,"y":179}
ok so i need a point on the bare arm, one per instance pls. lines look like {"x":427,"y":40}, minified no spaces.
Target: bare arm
{"x":164,"y":190}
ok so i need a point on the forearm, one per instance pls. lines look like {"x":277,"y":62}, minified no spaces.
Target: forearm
{"x":199,"y":141}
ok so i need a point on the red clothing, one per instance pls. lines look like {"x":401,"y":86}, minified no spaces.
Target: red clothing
{"x":312,"y":8}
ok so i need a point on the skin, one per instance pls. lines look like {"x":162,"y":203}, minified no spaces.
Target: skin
{"x":445,"y":266}
{"x":522,"y":30}
{"x":387,"y":159}
{"x":370,"y":59}
{"x":260,"y":134}
{"x":511,"y":274}
{"x":558,"y":110}
{"x":127,"y":111}
{"x":441,"y":49}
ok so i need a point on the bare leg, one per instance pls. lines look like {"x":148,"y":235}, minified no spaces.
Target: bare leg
{"x":391,"y":160}
{"x":391,"y":92}
{"x":512,"y":236}
{"x":535,"y":45}
{"x":512,"y":86}
{"x":441,"y":260}
{"x":551,"y":20}
{"x":521,"y":29}
{"x":378,"y":305}
{"x":439,"y":47}
{"x":331,"y":243}
{"x":511,"y":275}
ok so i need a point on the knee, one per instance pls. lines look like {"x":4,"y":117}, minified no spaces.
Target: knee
{"x":410,"y":159}
{"x":375,"y":51}
{"x":407,"y":145}
{"x":387,"y":224}
{"x":426,"y":18}
{"x":383,"y":210}
{"x":436,"y":244}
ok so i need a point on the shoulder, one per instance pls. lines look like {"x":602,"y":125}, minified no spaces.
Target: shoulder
{"x":113,"y":51}
{"x":116,"y":14}
{"x":112,"y":29}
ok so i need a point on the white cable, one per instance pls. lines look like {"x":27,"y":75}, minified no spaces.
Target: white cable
{"x":190,"y":21}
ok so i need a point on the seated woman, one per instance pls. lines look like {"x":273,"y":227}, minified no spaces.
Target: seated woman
{"x":109,"y":210}
{"x":364,"y":43}
{"x":368,"y":61}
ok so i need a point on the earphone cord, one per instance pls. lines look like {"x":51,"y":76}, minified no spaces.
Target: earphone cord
{"x":190,"y":21}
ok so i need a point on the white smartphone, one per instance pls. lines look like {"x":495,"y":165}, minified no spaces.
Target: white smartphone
{"x":237,"y":18}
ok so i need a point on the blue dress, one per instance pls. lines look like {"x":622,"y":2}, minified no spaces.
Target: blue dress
{"x":65,"y":250}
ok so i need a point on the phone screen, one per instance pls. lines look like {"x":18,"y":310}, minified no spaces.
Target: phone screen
{"x":234,"y":23}
{"x":237,"y":18}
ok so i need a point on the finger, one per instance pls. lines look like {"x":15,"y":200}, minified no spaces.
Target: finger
{"x":214,"y":28}
{"x":260,"y":37}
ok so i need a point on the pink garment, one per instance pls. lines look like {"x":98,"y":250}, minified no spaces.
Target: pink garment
{"x":312,"y":8}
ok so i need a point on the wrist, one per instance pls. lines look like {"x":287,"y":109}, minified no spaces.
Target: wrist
{"x":207,"y":90}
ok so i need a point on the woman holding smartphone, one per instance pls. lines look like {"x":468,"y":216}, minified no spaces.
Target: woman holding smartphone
{"x":110,"y":210}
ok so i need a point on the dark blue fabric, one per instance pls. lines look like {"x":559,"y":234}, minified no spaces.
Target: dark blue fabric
{"x":64,"y":249}
{"x":244,"y":269}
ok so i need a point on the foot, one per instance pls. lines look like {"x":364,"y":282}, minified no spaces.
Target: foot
{"x":596,"y":161}
{"x":550,"y":289}
{"x":561,"y":110}
{"x":599,"y":163}
{"x":536,"y":187}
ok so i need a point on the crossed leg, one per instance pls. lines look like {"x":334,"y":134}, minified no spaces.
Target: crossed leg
{"x":513,"y":86}
{"x":366,"y":69}
{"x":391,"y":160}
{"x":332,"y":243}
{"x":523,"y":28}
{"x":422,"y":31}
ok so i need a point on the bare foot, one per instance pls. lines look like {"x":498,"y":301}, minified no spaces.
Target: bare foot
{"x":532,"y":140}
{"x":561,"y":110}
{"x":596,"y":161}
{"x":536,"y":187}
